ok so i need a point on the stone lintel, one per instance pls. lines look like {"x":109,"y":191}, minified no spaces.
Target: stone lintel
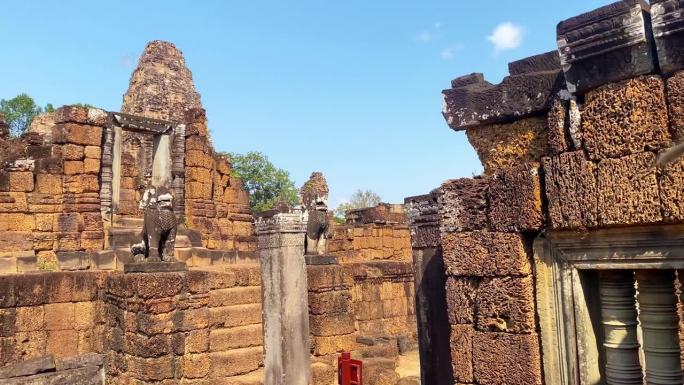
{"x":605,"y":45}
{"x":528,"y":90}
{"x":668,"y":31}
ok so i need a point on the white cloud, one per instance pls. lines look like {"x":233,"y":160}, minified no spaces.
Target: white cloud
{"x":126,"y":60}
{"x":429,"y":34}
{"x":506,"y":36}
{"x":449,"y":53}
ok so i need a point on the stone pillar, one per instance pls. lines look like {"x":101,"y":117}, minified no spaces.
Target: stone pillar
{"x":660,"y":326}
{"x":619,"y":320}
{"x":430,"y":283}
{"x":287,"y":358}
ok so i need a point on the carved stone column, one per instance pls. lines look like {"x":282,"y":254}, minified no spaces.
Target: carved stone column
{"x":660,"y":326}
{"x":619,"y":320}
{"x":285,"y":299}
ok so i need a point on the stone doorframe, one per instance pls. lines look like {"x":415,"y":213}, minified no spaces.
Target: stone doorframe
{"x":168,"y":136}
{"x":560,"y":257}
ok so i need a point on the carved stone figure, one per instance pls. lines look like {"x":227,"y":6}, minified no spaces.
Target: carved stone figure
{"x":159,"y":227}
{"x":314,"y":195}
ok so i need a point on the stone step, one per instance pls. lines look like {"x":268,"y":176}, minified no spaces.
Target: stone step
{"x":235,"y":338}
{"x":232,"y":316}
{"x":128,"y":222}
{"x":235,"y":296}
{"x":236,"y":362}
{"x":253,"y":378}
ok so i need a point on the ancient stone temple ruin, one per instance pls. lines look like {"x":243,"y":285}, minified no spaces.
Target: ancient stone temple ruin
{"x":560,"y":264}
{"x":77,"y":306}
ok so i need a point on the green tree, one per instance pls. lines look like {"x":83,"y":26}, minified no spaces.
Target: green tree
{"x":19,"y":112}
{"x":266,"y":184}
{"x":360,"y":199}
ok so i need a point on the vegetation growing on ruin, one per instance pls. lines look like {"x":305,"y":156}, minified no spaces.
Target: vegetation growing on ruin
{"x":266,"y":184}
{"x":20,"y":111}
{"x":358,"y":200}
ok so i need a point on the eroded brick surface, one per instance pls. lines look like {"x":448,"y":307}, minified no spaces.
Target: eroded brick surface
{"x":515,"y":199}
{"x":628,"y":191}
{"x":670,"y":182}
{"x":675,"y":103}
{"x":462,"y":352}
{"x":506,"y":305}
{"x":460,"y":296}
{"x":505,"y":145}
{"x":625,"y":118}
{"x":483,"y":254}
{"x":463,"y":204}
{"x":571,"y":191}
{"x":504,"y":358}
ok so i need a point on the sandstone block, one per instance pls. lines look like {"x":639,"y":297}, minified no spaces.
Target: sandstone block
{"x":91,"y":166}
{"x":139,"y":345}
{"x":93,"y":152}
{"x":21,"y":181}
{"x":198,"y":174}
{"x":506,"y":305}
{"x":72,"y":167}
{"x":625,"y":118}
{"x":197,"y":341}
{"x":666,"y":25}
{"x":338,"y":324}
{"x":460,"y":295}
{"x":324,"y":345}
{"x":30,"y":290}
{"x":151,"y":369}
{"x":625,"y":197}
{"x":462,"y":352}
{"x":515,"y":199}
{"x":483,"y":254}
{"x":504,"y":145}
{"x":44,"y":222}
{"x":72,"y":152}
{"x":556,"y":122}
{"x":62,"y":343}
{"x":670,"y":182}
{"x":235,"y":362}
{"x":503,"y":358}
{"x":30,"y":344}
{"x":49,"y":184}
{"x":235,"y":338}
{"x":75,"y":114}
{"x":196,"y":365}
{"x":77,"y":134}
{"x":675,"y":103}
{"x":331,"y":302}
{"x":59,"y":316}
{"x":17,"y":222}
{"x":328,"y":277}
{"x":198,"y":158}
{"x":29,"y":318}
{"x":81,"y":183}
{"x":571,"y":191}
{"x":463,"y":204}
{"x":232,"y":316}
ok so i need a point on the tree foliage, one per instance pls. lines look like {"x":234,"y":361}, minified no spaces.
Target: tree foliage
{"x":360,"y":199}
{"x":20,"y":111}
{"x":266,"y":184}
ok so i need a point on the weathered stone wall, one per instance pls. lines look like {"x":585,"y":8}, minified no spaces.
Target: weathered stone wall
{"x":215,"y":203}
{"x":370,"y":242}
{"x":51,"y":313}
{"x":189,"y":326}
{"x":49,"y":196}
{"x":576,"y":153}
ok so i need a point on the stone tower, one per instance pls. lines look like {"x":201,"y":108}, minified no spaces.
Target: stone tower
{"x":161,"y":86}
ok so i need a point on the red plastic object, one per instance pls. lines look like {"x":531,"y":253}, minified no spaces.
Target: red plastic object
{"x":349,"y":372}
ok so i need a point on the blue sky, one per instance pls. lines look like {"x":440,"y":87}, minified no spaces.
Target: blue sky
{"x":349,"y":88}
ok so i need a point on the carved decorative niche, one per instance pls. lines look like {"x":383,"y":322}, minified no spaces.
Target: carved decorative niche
{"x":607,"y":305}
